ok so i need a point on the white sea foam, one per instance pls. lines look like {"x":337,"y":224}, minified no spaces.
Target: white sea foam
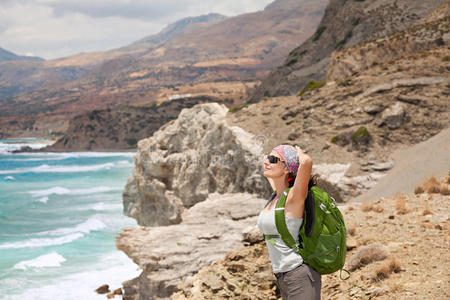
{"x":59,"y":169}
{"x":102,"y":206}
{"x":114,"y":270}
{"x":89,"y":225}
{"x":43,"y":199}
{"x":52,"y":259}
{"x":54,"y":190}
{"x":9,"y":178}
{"x":57,"y":190}
{"x":42,"y":242}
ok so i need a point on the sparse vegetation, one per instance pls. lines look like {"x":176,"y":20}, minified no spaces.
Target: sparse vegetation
{"x":342,"y":42}
{"x":236,"y":108}
{"x":366,"y":206}
{"x":311,"y":86}
{"x":291,"y":62}
{"x":385,"y":270}
{"x":334,"y":139}
{"x":359,"y":134}
{"x":400,"y":204}
{"x":318,"y":33}
{"x":344,"y":82}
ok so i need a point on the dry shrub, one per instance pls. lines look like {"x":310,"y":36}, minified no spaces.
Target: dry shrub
{"x":385,"y":270}
{"x":351,"y":208}
{"x":366,"y":206}
{"x":427,"y":210}
{"x":444,"y":189}
{"x":366,"y":255}
{"x":419,"y":190}
{"x":431,"y":185}
{"x":400,"y":204}
{"x":447,"y":179}
{"x":378,"y":209}
{"x":397,"y":287}
{"x":351,"y":231}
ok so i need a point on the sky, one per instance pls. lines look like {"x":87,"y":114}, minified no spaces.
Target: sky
{"x":58,"y":28}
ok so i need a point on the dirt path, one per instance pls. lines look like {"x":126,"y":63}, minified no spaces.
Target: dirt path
{"x":412,"y":166}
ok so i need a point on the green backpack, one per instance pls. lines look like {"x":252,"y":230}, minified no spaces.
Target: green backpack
{"x":322,"y":233}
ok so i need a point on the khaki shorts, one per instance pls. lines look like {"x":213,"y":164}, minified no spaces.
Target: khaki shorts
{"x":301,"y":283}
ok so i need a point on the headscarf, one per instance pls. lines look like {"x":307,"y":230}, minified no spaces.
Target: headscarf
{"x":290,"y":157}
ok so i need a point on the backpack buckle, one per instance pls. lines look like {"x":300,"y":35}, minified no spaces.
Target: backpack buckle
{"x":323,"y":207}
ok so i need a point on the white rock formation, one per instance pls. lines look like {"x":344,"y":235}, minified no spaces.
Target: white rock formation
{"x":189,"y":158}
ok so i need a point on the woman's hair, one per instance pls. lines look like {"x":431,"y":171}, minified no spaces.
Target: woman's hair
{"x":312,"y":180}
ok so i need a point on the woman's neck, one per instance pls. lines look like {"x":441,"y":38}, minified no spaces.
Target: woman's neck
{"x":280,"y":185}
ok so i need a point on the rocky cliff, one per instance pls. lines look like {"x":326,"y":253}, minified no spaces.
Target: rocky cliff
{"x":345,"y":23}
{"x":121,"y":127}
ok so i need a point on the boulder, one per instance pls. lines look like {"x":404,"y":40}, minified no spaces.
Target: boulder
{"x":393,"y":116}
{"x":189,"y":158}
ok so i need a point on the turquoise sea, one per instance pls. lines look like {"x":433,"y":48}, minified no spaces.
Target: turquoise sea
{"x":59,"y":215}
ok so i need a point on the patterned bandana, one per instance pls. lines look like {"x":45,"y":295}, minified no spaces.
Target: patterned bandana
{"x":289,"y":155}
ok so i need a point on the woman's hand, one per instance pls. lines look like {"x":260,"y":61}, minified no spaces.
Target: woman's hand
{"x":302,"y":156}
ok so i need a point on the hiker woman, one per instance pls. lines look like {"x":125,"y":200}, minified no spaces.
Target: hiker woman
{"x":284,"y":167}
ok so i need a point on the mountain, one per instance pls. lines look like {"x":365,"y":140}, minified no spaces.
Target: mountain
{"x":176,"y":28}
{"x":345,"y":23}
{"x":9,"y":56}
{"x":194,"y":53}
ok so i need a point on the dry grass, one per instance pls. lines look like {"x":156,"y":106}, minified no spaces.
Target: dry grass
{"x":444,"y":189}
{"x":431,"y":185}
{"x":419,"y":190}
{"x":385,"y":270}
{"x":427,"y":210}
{"x":397,"y":287}
{"x":366,"y":206}
{"x":378,"y":209}
{"x":400,"y":204}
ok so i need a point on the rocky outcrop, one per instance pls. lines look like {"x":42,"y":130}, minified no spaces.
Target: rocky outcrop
{"x":345,"y":24}
{"x":186,"y":160}
{"x":169,"y":255}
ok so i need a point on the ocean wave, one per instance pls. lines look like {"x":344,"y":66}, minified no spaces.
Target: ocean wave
{"x":102,"y":206}
{"x":9,"y":178}
{"x":52,"y":259}
{"x":59,"y":169}
{"x":86,"y":227}
{"x":42,"y":242}
{"x":64,"y":191}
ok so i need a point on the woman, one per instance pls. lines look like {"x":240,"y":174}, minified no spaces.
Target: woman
{"x":284,"y":167}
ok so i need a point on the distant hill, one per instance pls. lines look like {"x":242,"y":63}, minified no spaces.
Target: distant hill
{"x":208,"y":49}
{"x":9,"y":56}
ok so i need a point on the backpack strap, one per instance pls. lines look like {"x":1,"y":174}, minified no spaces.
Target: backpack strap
{"x":309,"y":213}
{"x":274,"y":194}
{"x":280,"y":222}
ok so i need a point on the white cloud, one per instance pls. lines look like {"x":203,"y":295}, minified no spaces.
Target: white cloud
{"x":57,"y":28}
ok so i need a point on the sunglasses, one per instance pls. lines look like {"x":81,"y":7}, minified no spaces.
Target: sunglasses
{"x":273,"y":159}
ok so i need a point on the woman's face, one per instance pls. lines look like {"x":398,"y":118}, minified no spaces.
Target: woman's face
{"x":273,"y":170}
